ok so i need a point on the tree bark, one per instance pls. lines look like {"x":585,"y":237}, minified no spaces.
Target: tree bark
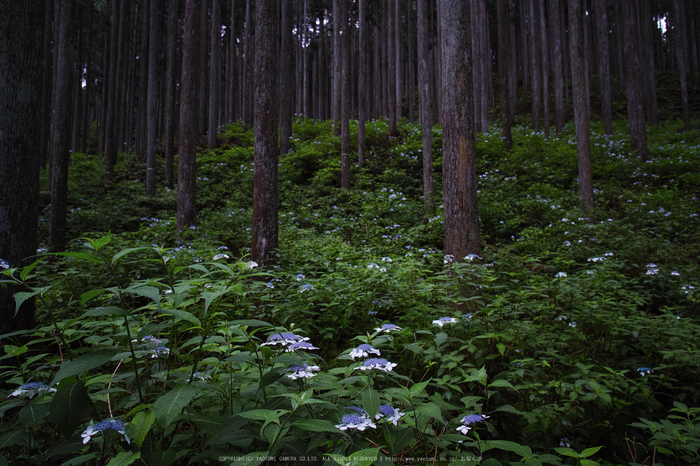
{"x":345,"y":104}
{"x":266,"y":153}
{"x":424,"y":103}
{"x":391,"y":69}
{"x":363,"y":98}
{"x":142,"y":120}
{"x":189,"y":117}
{"x":545,"y":64}
{"x":60,"y":137}
{"x":171,"y":91}
{"x":286,"y":79}
{"x":337,"y":91}
{"x":152,"y":99}
{"x":583,"y":140}
{"x":681,"y":63}
{"x":503,"y":63}
{"x":648,"y":64}
{"x":557,"y":65}
{"x":635,"y":96}
{"x":214,"y":73}
{"x":536,"y":85}
{"x":604,"y":74}
{"x":22,"y":24}
{"x":458,"y":144}
{"x":110,"y":130}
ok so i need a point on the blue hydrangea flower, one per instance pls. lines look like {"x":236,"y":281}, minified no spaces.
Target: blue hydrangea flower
{"x":363,"y":351}
{"x":393,"y":414}
{"x":300,"y":345}
{"x":284,"y":339}
{"x":4,"y":264}
{"x":32,"y":388}
{"x":470,"y":419}
{"x":302,"y":371}
{"x":377,"y":363}
{"x":357,"y":420}
{"x":444,"y":320}
{"x":103,"y":426}
{"x":388,"y":328}
{"x":644,"y":371}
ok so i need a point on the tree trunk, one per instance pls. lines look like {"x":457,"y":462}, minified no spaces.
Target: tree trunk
{"x":648,"y":64}
{"x":391,"y":69}
{"x":171,"y":91}
{"x":214,"y":73}
{"x":286,"y":79}
{"x":604,"y":75}
{"x":60,"y":138}
{"x":232,"y":66}
{"x":337,"y":94}
{"x":361,"y":85}
{"x":397,"y":58}
{"x":266,"y":153}
{"x":635,"y":96}
{"x":534,"y":65}
{"x":110,"y":130}
{"x":345,"y":104}
{"x":20,"y":115}
{"x":46,"y":86}
{"x":681,"y":62}
{"x":424,"y":103}
{"x":557,"y":65}
{"x":411,"y":77}
{"x":583,"y":140}
{"x":503,"y":63}
{"x":142,"y":120}
{"x":152,"y":100}
{"x":189,"y":117}
{"x":458,"y":144}
{"x":545,"y":64}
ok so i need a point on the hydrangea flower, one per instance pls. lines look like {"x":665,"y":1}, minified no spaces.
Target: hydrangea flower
{"x":363,"y":351}
{"x":444,"y":320}
{"x":564,"y":442}
{"x":675,"y":273}
{"x":449,"y":258}
{"x":269,"y":285}
{"x":377,"y":363}
{"x":466,"y":317}
{"x":470,"y":419}
{"x":471,"y":257}
{"x":32,"y":388}
{"x":302,"y":371}
{"x":200,"y":376}
{"x":251,"y":264}
{"x":388,"y":328}
{"x":652,"y":271}
{"x":372,"y":266}
{"x":300,"y":277}
{"x":386,"y":259}
{"x":357,"y":420}
{"x":306,"y":287}
{"x":220,"y":256}
{"x":687,"y":288}
{"x":596,"y":259}
{"x":301,"y":345}
{"x":4,"y":264}
{"x":284,"y":339}
{"x":393,"y":414}
{"x":651,"y":265}
{"x":102,"y":426}
{"x":644,"y":371}
{"x":560,"y":275}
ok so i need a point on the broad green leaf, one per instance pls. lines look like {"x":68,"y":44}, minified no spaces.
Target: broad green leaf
{"x":251,"y":323}
{"x":210,"y":296}
{"x":162,"y":458}
{"x":147,"y":291}
{"x":31,"y":414}
{"x":418,"y":388}
{"x":80,"y":255}
{"x":124,"y":458}
{"x":22,"y":296}
{"x":70,"y":406}
{"x":260,"y":415}
{"x":98,"y":243}
{"x":123,"y":253}
{"x":589,"y":452}
{"x":182,"y":315}
{"x":84,"y":363}
{"x":370,"y":402}
{"x":566,"y":452}
{"x":315,"y":425}
{"x":169,"y":406}
{"x":431,"y":410}
{"x":501,"y":348}
{"x":140,"y":425}
{"x":88,"y":295}
{"x":105,"y":311}
{"x":509,"y":446}
{"x":81,"y":459}
{"x":359,"y":458}
{"x":501,"y":383}
{"x":25,"y":271}
{"x":13,"y":438}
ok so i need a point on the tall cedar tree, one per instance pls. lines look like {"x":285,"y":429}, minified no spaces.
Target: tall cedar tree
{"x":557,"y":65}
{"x":583,"y":139}
{"x":424,"y":102}
{"x":458,"y":144}
{"x":345,"y":88}
{"x":171,"y":90}
{"x":189,"y":117}
{"x":286,"y":90}
{"x":204,"y":67}
{"x":266,"y":152}
{"x":681,"y":62}
{"x":503,"y":74}
{"x":61,"y":126}
{"x":544,"y":46}
{"x":110,"y":141}
{"x":152,"y":105}
{"x":362,"y":90}
{"x":635,"y":97}
{"x":214,"y":73}
{"x":337,"y":98}
{"x":142,"y":120}
{"x":391,"y":69}
{"x":232,"y":66}
{"x":604,"y":73}
{"x":21,"y":33}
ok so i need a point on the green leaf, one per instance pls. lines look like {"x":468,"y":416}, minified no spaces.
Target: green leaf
{"x":359,"y":458}
{"x":124,"y":458}
{"x":251,"y":323}
{"x":501,"y":383}
{"x":170,"y":405}
{"x":370,"y":402}
{"x":22,"y":296}
{"x":31,"y":414}
{"x":506,"y":445}
{"x":182,"y":315}
{"x":140,"y":425}
{"x":25,"y":271}
{"x":589,"y":452}
{"x":84,"y":363}
{"x":418,"y":388}
{"x":105,"y":311}
{"x":81,"y":459}
{"x":210,"y":296}
{"x":80,"y":255}
{"x":147,"y":291}
{"x":123,"y":253}
{"x":315,"y":425}
{"x":88,"y":295}
{"x":162,"y":458}
{"x":12,"y":438}
{"x":566,"y":452}
{"x":260,"y":415}
{"x":99,"y":243}
{"x":501,"y":348}
{"x":431,"y":410}
{"x":70,"y":406}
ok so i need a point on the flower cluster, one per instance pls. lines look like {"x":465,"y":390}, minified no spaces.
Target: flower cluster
{"x":32,"y":388}
{"x":152,"y":346}
{"x":377,"y":363}
{"x":363,"y":351}
{"x":357,"y":420}
{"x":469,"y":420}
{"x":103,"y":426}
{"x":644,"y":371}
{"x":284,"y":339}
{"x":444,"y":320}
{"x":388,"y":328}
{"x":393,"y":414}
{"x":302,"y":371}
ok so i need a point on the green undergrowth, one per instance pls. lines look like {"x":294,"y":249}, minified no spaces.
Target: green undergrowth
{"x":568,"y":340}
